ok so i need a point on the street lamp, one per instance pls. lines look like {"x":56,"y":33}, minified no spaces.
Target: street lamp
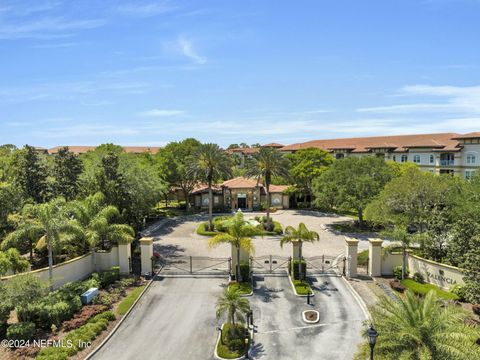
{"x":246,"y":345}
{"x":372,"y":339}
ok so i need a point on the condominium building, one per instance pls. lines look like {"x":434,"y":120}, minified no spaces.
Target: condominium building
{"x":444,"y":153}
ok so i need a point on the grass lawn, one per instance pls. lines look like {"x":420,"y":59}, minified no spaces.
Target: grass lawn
{"x":127,"y":303}
{"x":302,"y":287}
{"x":423,"y":289}
{"x":232,"y":347}
{"x":244,"y":287}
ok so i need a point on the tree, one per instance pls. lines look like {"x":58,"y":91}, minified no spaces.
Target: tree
{"x":238,"y":234}
{"x":351,"y":184}
{"x":268,"y":163}
{"x":31,"y":174}
{"x":299,"y":235}
{"x":17,"y":262}
{"x":94,"y":218}
{"x":174,"y":162}
{"x":23,"y":289}
{"x":232,"y":304}
{"x":11,"y":201}
{"x":307,"y":165}
{"x":211,"y":164}
{"x":414,"y":328}
{"x":66,"y":170}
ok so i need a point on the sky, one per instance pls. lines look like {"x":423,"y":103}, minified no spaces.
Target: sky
{"x":137,"y":72}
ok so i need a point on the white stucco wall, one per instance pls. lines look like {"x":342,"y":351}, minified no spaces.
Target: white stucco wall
{"x":389,"y":261}
{"x":441,"y":275}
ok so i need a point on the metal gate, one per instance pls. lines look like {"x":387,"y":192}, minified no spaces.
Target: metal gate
{"x":270,"y":264}
{"x":195,"y":265}
{"x":325,"y":264}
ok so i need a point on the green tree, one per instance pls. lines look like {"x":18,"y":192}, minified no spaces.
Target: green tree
{"x":31,"y":174}
{"x":238,"y":234}
{"x":174,"y":162}
{"x":414,"y":328}
{"x":232,"y":304}
{"x":23,"y":289}
{"x":66,"y":171}
{"x":268,"y":163}
{"x":299,"y":235}
{"x":17,"y":262}
{"x":94,"y":218}
{"x":351,"y":184}
{"x":211,"y":164}
{"x":307,"y":165}
{"x":11,"y":201}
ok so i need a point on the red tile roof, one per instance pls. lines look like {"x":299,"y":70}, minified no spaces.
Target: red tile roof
{"x":471,"y":135}
{"x":401,"y":143}
{"x":278,"y":188}
{"x":246,"y":151}
{"x":200,"y":188}
{"x":273,"y":145}
{"x":129,"y":149}
{"x":241,"y":183}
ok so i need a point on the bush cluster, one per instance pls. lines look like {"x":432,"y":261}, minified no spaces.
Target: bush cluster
{"x":418,"y":277}
{"x":82,"y":335}
{"x":245,"y":271}
{"x":83,"y":316}
{"x":108,"y":277}
{"x":397,"y":272}
{"x":21,"y":331}
{"x":293,"y":269}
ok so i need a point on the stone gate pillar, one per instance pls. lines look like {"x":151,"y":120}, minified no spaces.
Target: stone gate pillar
{"x":146,"y":251}
{"x":351,"y":253}
{"x":124,"y":258}
{"x":295,"y":250}
{"x":375,"y":257}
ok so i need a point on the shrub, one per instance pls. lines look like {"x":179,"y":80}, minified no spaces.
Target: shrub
{"x":460,"y":291}
{"x":476,"y":309}
{"x":294,"y":268}
{"x":202,"y":230}
{"x":21,"y":331}
{"x":423,"y":289}
{"x":245,"y":271}
{"x":418,"y":277}
{"x":397,"y":286}
{"x":108,"y":277}
{"x":397,"y":272}
{"x":362,"y":259}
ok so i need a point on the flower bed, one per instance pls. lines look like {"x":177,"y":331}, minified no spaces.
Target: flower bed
{"x":232,"y":342}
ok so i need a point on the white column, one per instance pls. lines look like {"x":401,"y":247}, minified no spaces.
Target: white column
{"x":351,"y":253}
{"x":146,"y":251}
{"x":295,"y":250}
{"x":124,"y":258}
{"x":375,"y":257}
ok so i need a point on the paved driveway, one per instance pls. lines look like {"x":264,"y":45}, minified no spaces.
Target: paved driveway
{"x":281,"y":332}
{"x":174,"y":320}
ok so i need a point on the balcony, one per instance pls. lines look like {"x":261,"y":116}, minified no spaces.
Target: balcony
{"x":447,"y":162}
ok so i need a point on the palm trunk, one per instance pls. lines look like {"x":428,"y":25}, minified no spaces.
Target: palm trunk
{"x":94,"y":260}
{"x":267,"y":189}
{"x":187,"y":202}
{"x":31,"y":252}
{"x":210,"y":204}
{"x":404,"y":261}
{"x":300,"y":261}
{"x":360,"y":218}
{"x":238,"y":264}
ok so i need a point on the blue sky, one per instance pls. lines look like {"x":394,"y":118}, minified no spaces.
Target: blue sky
{"x":148,"y":72}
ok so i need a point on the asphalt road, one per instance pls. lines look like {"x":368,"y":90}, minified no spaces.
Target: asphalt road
{"x":174,"y":320}
{"x":281,"y":332}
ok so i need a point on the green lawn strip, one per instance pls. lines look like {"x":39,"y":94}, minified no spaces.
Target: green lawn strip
{"x":302,"y":287}
{"x":202,"y":230}
{"x":231,"y":348}
{"x":277,"y":230}
{"x":127,"y":303}
{"x":423,"y":289}
{"x":244,"y":287}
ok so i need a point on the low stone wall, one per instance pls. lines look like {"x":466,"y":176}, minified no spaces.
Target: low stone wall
{"x":76,"y":269}
{"x":439,"y":274}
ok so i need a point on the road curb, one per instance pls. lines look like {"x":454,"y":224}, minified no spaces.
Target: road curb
{"x":114,"y":330}
{"x":359,"y":299}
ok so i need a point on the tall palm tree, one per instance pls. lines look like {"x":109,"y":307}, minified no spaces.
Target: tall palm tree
{"x":231,"y":302}
{"x":211,"y":164}
{"x":238,"y":234}
{"x":268,"y":163}
{"x":299,"y":236}
{"x":94,"y":219}
{"x":415,"y":328}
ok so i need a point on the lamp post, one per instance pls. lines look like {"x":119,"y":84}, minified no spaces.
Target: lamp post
{"x":246,"y":345}
{"x":221,"y":334}
{"x":372,"y":339}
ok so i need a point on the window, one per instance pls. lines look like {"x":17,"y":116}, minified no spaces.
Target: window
{"x":404,"y":158}
{"x":471,"y":159}
{"x":339,"y":156}
{"x":416,"y":159}
{"x":469,"y":174}
{"x":432,"y":159}
{"x":394,"y":158}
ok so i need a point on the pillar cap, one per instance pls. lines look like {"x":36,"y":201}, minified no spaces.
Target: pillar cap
{"x":351,"y":241}
{"x":146,"y":240}
{"x":375,"y":242}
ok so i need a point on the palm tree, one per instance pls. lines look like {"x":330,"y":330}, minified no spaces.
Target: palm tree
{"x":299,"y":236}
{"x":231,"y":302}
{"x":94,"y":219}
{"x":210,"y":164}
{"x":238,"y":234}
{"x":415,"y":328}
{"x":268,"y":163}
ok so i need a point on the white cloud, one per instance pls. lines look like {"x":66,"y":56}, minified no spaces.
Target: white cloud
{"x":160,"y":113}
{"x":185,"y":46}
{"x":448,"y":99}
{"x":145,"y":9}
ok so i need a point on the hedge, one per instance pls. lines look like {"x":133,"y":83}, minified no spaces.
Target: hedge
{"x":294,"y":268}
{"x":108,"y":277}
{"x":21,"y":331}
{"x":245,"y":271}
{"x":423,"y":289}
{"x":82,"y":335}
{"x":202,"y":230}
